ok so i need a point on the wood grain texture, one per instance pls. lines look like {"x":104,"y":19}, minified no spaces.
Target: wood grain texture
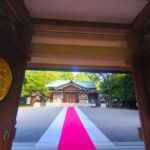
{"x":142,"y":20}
{"x":141,"y":74}
{"x":17,"y":60}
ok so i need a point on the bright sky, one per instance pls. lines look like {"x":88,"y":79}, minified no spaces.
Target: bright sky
{"x":75,"y":73}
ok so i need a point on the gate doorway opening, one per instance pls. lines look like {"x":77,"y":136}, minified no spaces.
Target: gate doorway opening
{"x":108,"y":111}
{"x":96,"y":35}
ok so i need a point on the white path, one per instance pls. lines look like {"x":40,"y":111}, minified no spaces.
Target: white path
{"x":52,"y":135}
{"x":51,"y":138}
{"x":97,"y":137}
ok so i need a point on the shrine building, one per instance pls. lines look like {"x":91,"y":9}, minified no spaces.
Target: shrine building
{"x":73,"y":91}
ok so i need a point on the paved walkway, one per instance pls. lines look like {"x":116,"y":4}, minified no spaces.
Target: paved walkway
{"x":51,"y":138}
{"x":116,"y":146}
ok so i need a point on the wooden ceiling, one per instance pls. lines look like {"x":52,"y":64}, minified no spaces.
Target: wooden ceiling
{"x":109,"y":11}
{"x":86,"y":35}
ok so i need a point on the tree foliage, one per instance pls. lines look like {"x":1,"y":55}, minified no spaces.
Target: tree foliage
{"x":118,"y":86}
{"x":37,"y":80}
{"x":84,"y":76}
{"x":66,"y":76}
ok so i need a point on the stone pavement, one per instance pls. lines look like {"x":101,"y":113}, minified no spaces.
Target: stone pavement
{"x":48,"y":104}
{"x":104,"y":144}
{"x":116,"y":146}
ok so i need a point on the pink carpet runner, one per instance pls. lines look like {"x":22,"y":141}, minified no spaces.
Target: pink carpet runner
{"x":74,"y":135}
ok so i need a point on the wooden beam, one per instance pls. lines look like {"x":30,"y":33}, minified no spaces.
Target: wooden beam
{"x":15,"y":11}
{"x":45,"y":50}
{"x":15,"y":23}
{"x":78,"y":27}
{"x":85,"y":24}
{"x":20,"y":36}
{"x":78,"y":33}
{"x":60,"y":67}
{"x":79,"y":55}
{"x":142,"y":20}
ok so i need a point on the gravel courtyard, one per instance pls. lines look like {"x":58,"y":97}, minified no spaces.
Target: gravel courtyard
{"x":119,"y":125}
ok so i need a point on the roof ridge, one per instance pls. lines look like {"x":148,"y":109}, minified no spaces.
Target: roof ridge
{"x":72,"y":80}
{"x":84,"y":84}
{"x":59,"y":80}
{"x":83,"y":81}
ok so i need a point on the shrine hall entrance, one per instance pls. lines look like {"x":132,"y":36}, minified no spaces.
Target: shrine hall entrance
{"x":70,"y":97}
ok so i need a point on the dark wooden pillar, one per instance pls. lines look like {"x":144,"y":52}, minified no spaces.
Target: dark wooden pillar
{"x":17,"y":60}
{"x":15,"y":41}
{"x":141,"y":75}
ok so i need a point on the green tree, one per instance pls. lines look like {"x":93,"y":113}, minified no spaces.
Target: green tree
{"x":118,"y":86}
{"x":126,"y":88}
{"x":37,"y":80}
{"x":106,"y":84}
{"x":67,"y":76}
{"x":82,"y":77}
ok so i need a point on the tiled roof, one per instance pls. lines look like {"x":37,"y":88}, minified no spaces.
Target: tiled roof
{"x":84,"y":84}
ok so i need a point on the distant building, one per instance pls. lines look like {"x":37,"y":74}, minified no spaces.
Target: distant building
{"x":73,"y":91}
